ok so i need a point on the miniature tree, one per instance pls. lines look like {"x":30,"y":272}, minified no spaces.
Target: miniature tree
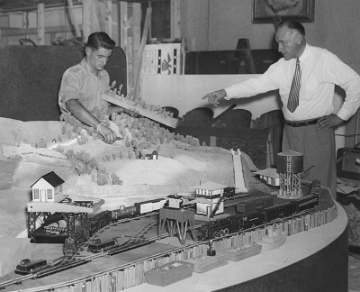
{"x":77,"y":130}
{"x":91,"y":131}
{"x":196,"y":142}
{"x":68,"y":133}
{"x":131,"y":154}
{"x":93,"y":163}
{"x":80,"y":168}
{"x":64,"y":129}
{"x":60,"y":149}
{"x":42,"y":143}
{"x":79,"y":141}
{"x":115,"y":179}
{"x":69,"y":154}
{"x":84,"y":138}
{"x":127,"y":142}
{"x":102,"y":176}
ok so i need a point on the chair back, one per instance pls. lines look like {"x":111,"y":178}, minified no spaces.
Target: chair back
{"x":271,"y":118}
{"x":174,"y":111}
{"x":200,"y":116}
{"x":234,"y":119}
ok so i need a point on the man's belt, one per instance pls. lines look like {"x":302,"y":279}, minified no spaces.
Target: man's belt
{"x":301,"y":124}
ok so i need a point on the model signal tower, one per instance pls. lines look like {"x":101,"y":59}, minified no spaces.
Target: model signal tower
{"x":290,"y":168}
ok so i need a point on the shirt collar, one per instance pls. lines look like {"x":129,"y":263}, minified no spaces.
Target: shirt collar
{"x":306,"y":53}
{"x":88,"y":70}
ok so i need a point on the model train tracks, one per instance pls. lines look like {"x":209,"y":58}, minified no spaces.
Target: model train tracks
{"x":89,"y":277}
{"x":45,"y":272}
{"x":84,"y":244}
{"x":120,"y":249}
{"x":132,"y":244}
{"x":129,"y":245}
{"x":137,"y":236}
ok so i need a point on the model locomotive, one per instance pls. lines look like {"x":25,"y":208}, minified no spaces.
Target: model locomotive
{"x":258,"y":211}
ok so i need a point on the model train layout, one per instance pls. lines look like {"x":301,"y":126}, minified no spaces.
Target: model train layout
{"x":208,"y":221}
{"x":251,"y":212}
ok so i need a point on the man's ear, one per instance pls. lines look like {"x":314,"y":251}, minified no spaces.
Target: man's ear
{"x":87,"y":51}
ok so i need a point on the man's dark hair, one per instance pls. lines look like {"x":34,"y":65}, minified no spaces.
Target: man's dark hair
{"x":100,"y":40}
{"x":292,"y":24}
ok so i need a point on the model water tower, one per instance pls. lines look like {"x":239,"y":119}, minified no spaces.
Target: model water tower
{"x":290,"y":167}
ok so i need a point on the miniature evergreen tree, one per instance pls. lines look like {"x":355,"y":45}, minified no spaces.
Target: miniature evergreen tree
{"x":101,"y":179}
{"x":127,"y":142}
{"x":115,"y":179}
{"x":60,"y":149}
{"x":63,"y":129}
{"x":42,"y":143}
{"x":69,"y":154}
{"x":93,"y":163}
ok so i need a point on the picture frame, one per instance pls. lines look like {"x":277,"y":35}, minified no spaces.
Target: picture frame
{"x":265,"y":11}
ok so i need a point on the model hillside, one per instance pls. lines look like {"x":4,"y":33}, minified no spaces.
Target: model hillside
{"x":148,"y":162}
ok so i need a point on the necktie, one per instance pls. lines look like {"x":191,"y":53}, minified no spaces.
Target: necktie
{"x":293,"y":101}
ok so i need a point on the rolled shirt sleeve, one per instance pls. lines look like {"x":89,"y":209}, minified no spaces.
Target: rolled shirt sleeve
{"x":80,"y":83}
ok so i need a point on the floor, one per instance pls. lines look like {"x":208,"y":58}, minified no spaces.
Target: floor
{"x":354,"y":272}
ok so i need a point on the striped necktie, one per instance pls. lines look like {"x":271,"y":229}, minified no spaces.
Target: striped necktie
{"x":293,"y":101}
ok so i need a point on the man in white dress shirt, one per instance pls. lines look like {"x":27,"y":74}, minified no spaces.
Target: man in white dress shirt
{"x":309,"y":113}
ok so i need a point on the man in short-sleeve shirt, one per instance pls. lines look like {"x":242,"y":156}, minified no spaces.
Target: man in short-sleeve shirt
{"x":83,"y":85}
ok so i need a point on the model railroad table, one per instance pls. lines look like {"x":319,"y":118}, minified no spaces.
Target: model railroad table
{"x":315,"y":260}
{"x":307,"y":261}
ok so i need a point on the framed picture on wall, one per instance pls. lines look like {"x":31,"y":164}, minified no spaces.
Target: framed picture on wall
{"x":264,"y":11}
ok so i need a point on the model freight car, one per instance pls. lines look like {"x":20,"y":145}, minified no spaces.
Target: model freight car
{"x":149,"y":206}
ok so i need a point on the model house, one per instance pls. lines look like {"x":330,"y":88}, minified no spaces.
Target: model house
{"x":48,"y":188}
